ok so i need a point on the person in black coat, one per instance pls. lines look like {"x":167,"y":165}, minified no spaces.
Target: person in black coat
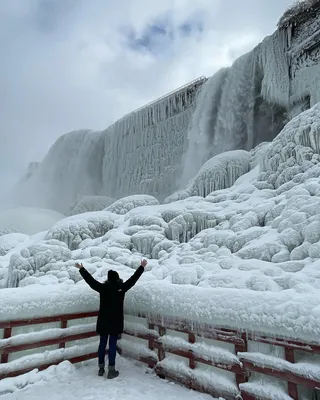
{"x":111,"y":317}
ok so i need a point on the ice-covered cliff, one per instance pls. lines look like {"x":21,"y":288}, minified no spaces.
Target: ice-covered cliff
{"x":159,"y":148}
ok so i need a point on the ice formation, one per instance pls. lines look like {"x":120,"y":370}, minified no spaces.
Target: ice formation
{"x":220,"y":172}
{"x":201,"y":124}
{"x":257,"y":240}
{"x":129,"y":157}
{"x":90,"y":203}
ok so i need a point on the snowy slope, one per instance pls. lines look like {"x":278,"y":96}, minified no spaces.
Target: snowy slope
{"x":248,"y":248}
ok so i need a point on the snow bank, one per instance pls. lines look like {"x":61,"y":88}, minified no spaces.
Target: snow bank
{"x":288,"y":313}
{"x":37,"y":301}
{"x":60,"y":371}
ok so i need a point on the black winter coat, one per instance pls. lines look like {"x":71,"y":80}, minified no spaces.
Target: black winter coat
{"x":110,"y":319}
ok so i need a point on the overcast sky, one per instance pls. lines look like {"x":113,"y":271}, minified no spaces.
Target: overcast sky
{"x":71,"y":64}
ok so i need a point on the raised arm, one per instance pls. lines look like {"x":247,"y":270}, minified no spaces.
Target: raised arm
{"x":95,"y":285}
{"x":134,"y":278}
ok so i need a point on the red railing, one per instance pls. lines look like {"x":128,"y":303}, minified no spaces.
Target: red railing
{"x":159,"y":346}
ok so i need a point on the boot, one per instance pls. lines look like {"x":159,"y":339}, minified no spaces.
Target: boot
{"x":112,"y":373}
{"x":101,"y":371}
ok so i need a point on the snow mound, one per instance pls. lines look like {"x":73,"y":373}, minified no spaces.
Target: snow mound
{"x":73,"y":230}
{"x":37,"y":258}
{"x":11,"y":240}
{"x":220,"y":172}
{"x":27,"y":220}
{"x":122,"y":206}
{"x":91,"y":203}
{"x":61,"y":371}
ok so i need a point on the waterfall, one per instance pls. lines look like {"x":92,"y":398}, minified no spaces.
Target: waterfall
{"x":202,"y":126}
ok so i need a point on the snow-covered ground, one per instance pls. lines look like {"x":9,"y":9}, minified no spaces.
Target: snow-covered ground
{"x":67,"y":381}
{"x":249,"y":253}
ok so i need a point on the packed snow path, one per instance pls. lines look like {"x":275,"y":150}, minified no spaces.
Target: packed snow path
{"x":81,"y":382}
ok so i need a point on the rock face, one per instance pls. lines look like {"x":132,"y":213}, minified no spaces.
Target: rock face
{"x":159,"y":148}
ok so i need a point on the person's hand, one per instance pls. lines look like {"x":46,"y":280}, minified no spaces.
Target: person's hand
{"x":78,"y":265}
{"x":144,"y":263}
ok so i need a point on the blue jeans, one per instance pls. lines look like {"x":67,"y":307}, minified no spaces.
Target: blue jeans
{"x":112,"y":350}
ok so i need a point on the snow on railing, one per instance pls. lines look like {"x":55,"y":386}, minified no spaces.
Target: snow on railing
{"x":201,"y":357}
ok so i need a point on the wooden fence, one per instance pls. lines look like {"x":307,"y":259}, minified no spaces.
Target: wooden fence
{"x":221,"y":362}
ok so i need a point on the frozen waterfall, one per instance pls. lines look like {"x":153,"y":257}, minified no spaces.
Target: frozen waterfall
{"x":159,"y":148}
{"x":202,"y":124}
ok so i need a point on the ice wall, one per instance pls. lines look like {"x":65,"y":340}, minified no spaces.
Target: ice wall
{"x":159,"y":148}
{"x":201,"y":127}
{"x":140,"y":153}
{"x":72,"y":168}
{"x":251,"y":101}
{"x":303,"y":49}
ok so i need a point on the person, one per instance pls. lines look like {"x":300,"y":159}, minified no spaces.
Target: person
{"x":111,"y":317}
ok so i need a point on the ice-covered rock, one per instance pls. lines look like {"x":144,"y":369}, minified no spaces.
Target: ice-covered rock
{"x":91,"y":203}
{"x":295,"y":150}
{"x":31,"y":260}
{"x":220,"y":172}
{"x":122,"y":206}
{"x":73,"y":230}
{"x":10,"y":241}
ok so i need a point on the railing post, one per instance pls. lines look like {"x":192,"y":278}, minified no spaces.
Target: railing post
{"x":292,"y":387}
{"x":6,"y":334}
{"x":63,"y":325}
{"x":192,"y":340}
{"x":242,"y":378}
{"x":150,"y":341}
{"x":161,"y":352}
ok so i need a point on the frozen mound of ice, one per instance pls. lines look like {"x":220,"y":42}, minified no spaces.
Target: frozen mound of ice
{"x":122,"y":206}
{"x":11,"y":240}
{"x":294,"y":154}
{"x":91,"y":203}
{"x":37,"y":258}
{"x":275,"y":82}
{"x":220,"y":172}
{"x":27,"y":220}
{"x":73,"y":230}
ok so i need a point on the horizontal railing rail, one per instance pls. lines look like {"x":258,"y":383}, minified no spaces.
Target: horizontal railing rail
{"x":161,"y":344}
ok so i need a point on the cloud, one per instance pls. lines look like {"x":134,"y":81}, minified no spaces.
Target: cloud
{"x":75,"y":64}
